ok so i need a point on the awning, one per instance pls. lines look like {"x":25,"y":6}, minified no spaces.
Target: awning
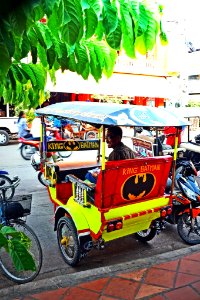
{"x":119,"y":84}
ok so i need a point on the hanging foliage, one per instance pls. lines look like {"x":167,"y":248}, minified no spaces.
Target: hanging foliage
{"x":41,"y":36}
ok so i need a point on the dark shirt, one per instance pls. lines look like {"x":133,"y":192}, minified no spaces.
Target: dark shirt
{"x":121,"y":152}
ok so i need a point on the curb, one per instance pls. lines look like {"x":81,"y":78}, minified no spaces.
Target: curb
{"x":72,"y":279}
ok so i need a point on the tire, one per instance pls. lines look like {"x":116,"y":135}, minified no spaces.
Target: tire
{"x":90,"y":135}
{"x":146,"y":235}
{"x":68,"y":241}
{"x":10,"y":192}
{"x":65,"y":154}
{"x":188,"y":235}
{"x":4,"y":138}
{"x":6,"y":262}
{"x":27,"y":151}
{"x":41,"y":179}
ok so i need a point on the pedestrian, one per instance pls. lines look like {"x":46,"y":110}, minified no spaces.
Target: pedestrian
{"x":23,"y":130}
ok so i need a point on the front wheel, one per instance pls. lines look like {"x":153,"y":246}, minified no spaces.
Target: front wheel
{"x":4,"y":138}
{"x":146,"y":235}
{"x":27,"y":151}
{"x":68,"y":241}
{"x":6,"y":181}
{"x":189,"y":229}
{"x":41,"y":179}
{"x":35,"y":250}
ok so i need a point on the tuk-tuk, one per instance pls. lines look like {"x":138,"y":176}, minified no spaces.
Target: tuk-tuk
{"x":129,"y":196}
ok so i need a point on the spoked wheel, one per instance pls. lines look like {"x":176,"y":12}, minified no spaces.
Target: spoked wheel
{"x":6,"y":181}
{"x":35,"y":250}
{"x":189,"y":229}
{"x":68,"y":241}
{"x":145,"y":235}
{"x":65,"y":154}
{"x":41,"y":179}
{"x":27,"y":151}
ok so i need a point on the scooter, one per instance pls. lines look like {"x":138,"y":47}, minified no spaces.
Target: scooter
{"x":186,"y":205}
{"x":5,"y":180}
{"x":30,"y":146}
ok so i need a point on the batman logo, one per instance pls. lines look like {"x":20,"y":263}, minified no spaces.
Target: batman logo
{"x":138,"y":186}
{"x":72,"y":146}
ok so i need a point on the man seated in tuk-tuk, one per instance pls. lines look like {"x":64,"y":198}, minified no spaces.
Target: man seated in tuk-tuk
{"x":120,"y":151}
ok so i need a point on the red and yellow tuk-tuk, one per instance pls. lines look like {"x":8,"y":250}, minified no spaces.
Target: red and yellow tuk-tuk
{"x":129,"y":196}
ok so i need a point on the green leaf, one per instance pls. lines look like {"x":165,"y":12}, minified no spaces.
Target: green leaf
{"x":110,"y":16}
{"x":39,"y":35}
{"x":40,"y":75}
{"x":128,"y":39}
{"x":25,"y":45}
{"x":30,"y":74}
{"x":5,"y":61}
{"x":114,"y":38}
{"x":63,"y":60}
{"x":91,"y":22}
{"x":17,"y":19}
{"x":99,"y":31}
{"x":32,"y":37}
{"x":46,"y":34}
{"x":34,"y":54}
{"x":72,"y":63}
{"x":42,"y":55}
{"x":3,"y":240}
{"x":17,"y":73}
{"x":22,"y":259}
{"x":82,"y":58}
{"x":142,"y":21}
{"x":8,"y":41}
{"x":151,"y":33}
{"x":71,"y":31}
{"x":48,"y":6}
{"x":51,"y":56}
{"x":95,"y":65}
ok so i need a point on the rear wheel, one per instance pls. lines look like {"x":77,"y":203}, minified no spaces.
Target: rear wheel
{"x":35,"y":250}
{"x":145,"y":235}
{"x":189,"y":229}
{"x":27,"y":151}
{"x":68,"y":241}
{"x":4,"y":138}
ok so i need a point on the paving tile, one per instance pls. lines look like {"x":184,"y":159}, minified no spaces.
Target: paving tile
{"x":148,"y":290}
{"x":185,"y":279}
{"x":121,"y":288}
{"x":197,"y":286}
{"x":96,"y":285}
{"x":184,"y":293}
{"x":158,"y":297}
{"x":76,"y":293}
{"x":53,"y":295}
{"x":161,"y":278}
{"x":189,"y":267}
{"x":106,"y":298}
{"x":135,"y":275}
{"x":195,"y":256}
{"x":170,"y":265}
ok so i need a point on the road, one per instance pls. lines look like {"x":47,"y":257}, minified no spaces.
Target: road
{"x":42,"y":221}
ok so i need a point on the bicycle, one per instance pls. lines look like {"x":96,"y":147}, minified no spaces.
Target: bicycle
{"x":13,"y":213}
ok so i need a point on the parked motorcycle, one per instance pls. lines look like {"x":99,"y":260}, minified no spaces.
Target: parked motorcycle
{"x":186,"y":205}
{"x":5,"y":180}
{"x":30,"y":146}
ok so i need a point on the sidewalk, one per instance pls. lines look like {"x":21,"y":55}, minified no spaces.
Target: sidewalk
{"x":171,"y":276}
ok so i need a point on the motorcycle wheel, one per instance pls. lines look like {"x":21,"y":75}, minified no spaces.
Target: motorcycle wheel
{"x":27,"y":151}
{"x":65,"y":154}
{"x":146,"y":235}
{"x":189,"y":234}
{"x":41,"y":179}
{"x":6,"y":181}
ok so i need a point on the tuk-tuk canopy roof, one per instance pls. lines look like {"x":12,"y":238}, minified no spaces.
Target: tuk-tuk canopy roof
{"x":113,"y":114}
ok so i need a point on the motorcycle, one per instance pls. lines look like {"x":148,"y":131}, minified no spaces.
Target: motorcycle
{"x":5,"y":180}
{"x":186,"y":205}
{"x":30,"y":146}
